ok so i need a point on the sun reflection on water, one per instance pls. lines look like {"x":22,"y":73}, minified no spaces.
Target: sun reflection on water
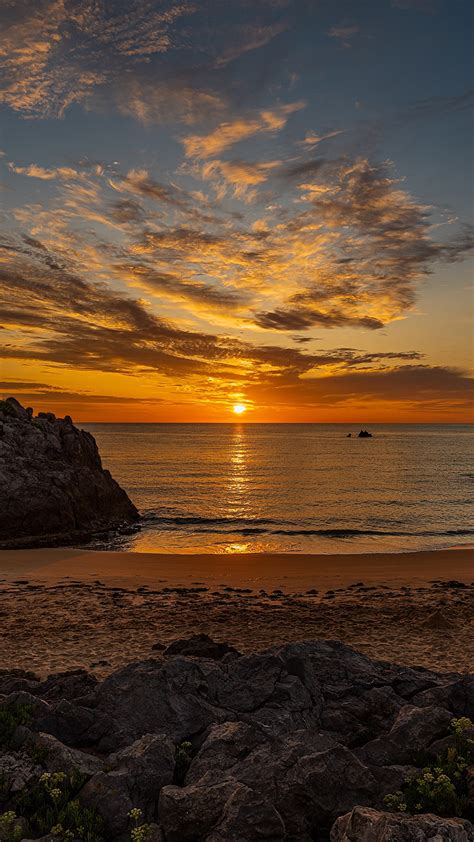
{"x":238,"y":475}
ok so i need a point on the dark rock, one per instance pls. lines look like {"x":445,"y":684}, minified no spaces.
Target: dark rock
{"x":61,"y":758}
{"x":70,"y":685}
{"x":364,"y":435}
{"x":281,"y":742}
{"x":17,"y":770}
{"x":52,"y":484}
{"x":199,"y":646}
{"x":17,"y":679}
{"x":365,"y":825}
{"x":412,"y":732}
{"x":136,"y":776}
{"x":191,"y":813}
{"x":305,"y":779}
{"x":456,"y":696}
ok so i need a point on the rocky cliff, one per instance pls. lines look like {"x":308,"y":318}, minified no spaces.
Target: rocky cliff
{"x":53,"y":488}
{"x":297,"y":743}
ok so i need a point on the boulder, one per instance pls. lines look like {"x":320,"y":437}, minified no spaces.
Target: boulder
{"x":61,"y":758}
{"x":294,"y":784}
{"x":412,"y":732}
{"x":135,"y":777}
{"x":365,"y":825}
{"x":53,"y":488}
{"x":149,"y":765}
{"x":199,"y":646}
{"x":457,"y":696}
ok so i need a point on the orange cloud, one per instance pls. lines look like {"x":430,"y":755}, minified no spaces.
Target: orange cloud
{"x":235,"y":131}
{"x":35,"y":171}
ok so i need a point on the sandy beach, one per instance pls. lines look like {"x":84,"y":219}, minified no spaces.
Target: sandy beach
{"x":67,"y":608}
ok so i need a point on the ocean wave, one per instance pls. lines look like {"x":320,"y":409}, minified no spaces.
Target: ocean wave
{"x":265,"y":526}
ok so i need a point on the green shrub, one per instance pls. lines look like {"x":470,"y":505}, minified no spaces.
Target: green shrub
{"x":183,"y":759}
{"x":11,"y":716}
{"x":10,"y":828}
{"x":51,"y":804}
{"x":139,"y":832}
{"x":442,"y":787}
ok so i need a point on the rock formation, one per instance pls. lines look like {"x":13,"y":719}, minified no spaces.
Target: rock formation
{"x":279,"y":745}
{"x":53,"y":488}
{"x":366,"y":825}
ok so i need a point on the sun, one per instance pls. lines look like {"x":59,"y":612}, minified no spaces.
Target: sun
{"x":239,"y":408}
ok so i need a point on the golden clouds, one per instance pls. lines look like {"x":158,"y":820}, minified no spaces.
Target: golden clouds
{"x":235,"y":131}
{"x":238,"y":176}
{"x":53,"y":54}
{"x":348,"y":248}
{"x":35,"y":171}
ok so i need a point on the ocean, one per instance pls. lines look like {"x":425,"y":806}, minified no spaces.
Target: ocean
{"x":292,"y":487}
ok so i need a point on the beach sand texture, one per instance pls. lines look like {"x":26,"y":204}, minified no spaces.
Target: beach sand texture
{"x":66,"y":608}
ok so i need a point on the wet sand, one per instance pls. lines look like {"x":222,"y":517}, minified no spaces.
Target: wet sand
{"x":66,"y":608}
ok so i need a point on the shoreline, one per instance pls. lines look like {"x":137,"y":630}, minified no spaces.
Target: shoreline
{"x":62,"y":609}
{"x":325,"y":570}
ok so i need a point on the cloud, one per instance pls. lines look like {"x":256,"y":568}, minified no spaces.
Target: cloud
{"x":44,"y":174}
{"x":312,"y":139}
{"x":140,"y":182}
{"x":344,"y":34}
{"x":235,"y":131}
{"x":250,"y":37}
{"x":175,"y":287}
{"x":299,"y":318}
{"x":238,"y":176}
{"x":412,"y":388}
{"x":438,"y":106}
{"x":151,"y":60}
{"x":55,"y":317}
{"x":153,"y":100}
{"x":375,"y":246}
{"x":302,"y":169}
{"x":31,"y":392}
{"x":55,"y":54}
{"x":127,"y":210}
{"x":349,"y":246}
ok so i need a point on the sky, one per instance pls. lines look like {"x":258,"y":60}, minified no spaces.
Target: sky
{"x":262,"y":203}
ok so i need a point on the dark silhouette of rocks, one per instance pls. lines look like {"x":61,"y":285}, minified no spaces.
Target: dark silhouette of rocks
{"x":364,"y":434}
{"x":53,"y":488}
{"x":283,"y":744}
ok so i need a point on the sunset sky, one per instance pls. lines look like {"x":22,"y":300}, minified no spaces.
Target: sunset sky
{"x":254,"y":202}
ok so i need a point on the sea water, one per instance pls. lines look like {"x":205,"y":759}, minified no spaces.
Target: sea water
{"x":244,"y":487}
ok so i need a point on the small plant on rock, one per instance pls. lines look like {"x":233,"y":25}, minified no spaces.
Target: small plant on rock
{"x":183,"y":759}
{"x":11,"y":716}
{"x":140,"y":832}
{"x":442,"y":787}
{"x":51,"y":806}
{"x":10,"y":828}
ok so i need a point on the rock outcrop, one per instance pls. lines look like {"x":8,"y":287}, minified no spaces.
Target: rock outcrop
{"x":53,"y":488}
{"x":279,"y":745}
{"x":365,"y":825}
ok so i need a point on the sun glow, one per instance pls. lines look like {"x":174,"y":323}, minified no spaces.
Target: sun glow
{"x":239,"y":408}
